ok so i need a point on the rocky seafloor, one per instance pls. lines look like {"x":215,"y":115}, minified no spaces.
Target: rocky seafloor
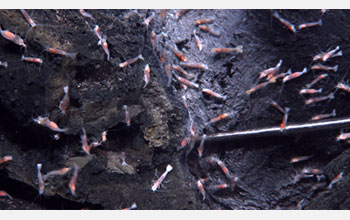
{"x":100,"y":87}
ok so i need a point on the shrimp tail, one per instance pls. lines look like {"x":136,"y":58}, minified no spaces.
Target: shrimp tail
{"x":61,"y":130}
{"x":72,"y":55}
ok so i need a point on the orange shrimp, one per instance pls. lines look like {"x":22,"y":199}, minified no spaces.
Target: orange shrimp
{"x":195,"y":65}
{"x":200,"y":186}
{"x":220,"y":117}
{"x":5,"y":194}
{"x":50,"y":124}
{"x":323,"y":116}
{"x":216,"y":95}
{"x":59,"y":172}
{"x":73,"y":181}
{"x":29,"y":19}
{"x":5,"y":159}
{"x":285,"y":118}
{"x":84,"y":142}
{"x":204,"y":21}
{"x":206,"y":28}
{"x":198,"y":41}
{"x":284,"y":22}
{"x":311,"y":24}
{"x":238,"y":49}
{"x":179,"y":54}
{"x":40,"y":179}
{"x":61,"y":52}
{"x":64,"y":103}
{"x":31,"y":59}
{"x":149,"y":19}
{"x":187,"y":82}
{"x":131,"y":61}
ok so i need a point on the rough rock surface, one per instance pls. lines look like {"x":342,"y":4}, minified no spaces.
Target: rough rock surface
{"x":99,"y":88}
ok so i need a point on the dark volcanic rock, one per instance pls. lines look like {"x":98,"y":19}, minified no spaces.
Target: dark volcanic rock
{"x":99,"y":88}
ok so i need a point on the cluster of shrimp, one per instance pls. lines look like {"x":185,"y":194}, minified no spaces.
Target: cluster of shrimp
{"x":60,"y":172}
{"x":308,"y":172}
{"x":180,"y":73}
{"x":202,"y":183}
{"x":65,"y":101}
{"x":16,"y":39}
{"x":271,"y":75}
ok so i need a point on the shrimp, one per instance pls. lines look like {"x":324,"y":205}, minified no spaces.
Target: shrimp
{"x":311,"y":24}
{"x":257,"y":87}
{"x":310,"y":91}
{"x":277,"y":106}
{"x":201,"y":146}
{"x":149,"y":19}
{"x":195,"y":65}
{"x":73,"y":181}
{"x":133,"y":206}
{"x":5,"y":194}
{"x":187,"y":82}
{"x":200,"y":186}
{"x":214,"y":94}
{"x":131,"y":61}
{"x":323,"y":116}
{"x":319,"y":99}
{"x":169,"y":74}
{"x":29,"y":19}
{"x":220,"y":117}
{"x":326,"y":68}
{"x":154,"y":39}
{"x":294,"y":75}
{"x":325,"y":56}
{"x":198,"y":41}
{"x":59,"y":172}
{"x":4,"y":64}
{"x":182,"y":71}
{"x":299,"y":159}
{"x":40,"y":179}
{"x":5,"y":159}
{"x":343,"y":136}
{"x":179,"y":54}
{"x":207,"y":29}
{"x":84,"y":142}
{"x":104,"y":45}
{"x":156,"y":185}
{"x":285,"y":118}
{"x":64,"y":103}
{"x":238,"y":49}
{"x":86,"y":14}
{"x":181,"y":12}
{"x":44,"y":121}
{"x":31,"y":59}
{"x":335,"y":180}
{"x":204,"y":21}
{"x":8,"y":35}
{"x":284,"y":22}
{"x":343,"y":87}
{"x":127,"y":116}
{"x":271,"y":71}
{"x":322,"y":76}
{"x":147,"y":76}
{"x":61,"y":52}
